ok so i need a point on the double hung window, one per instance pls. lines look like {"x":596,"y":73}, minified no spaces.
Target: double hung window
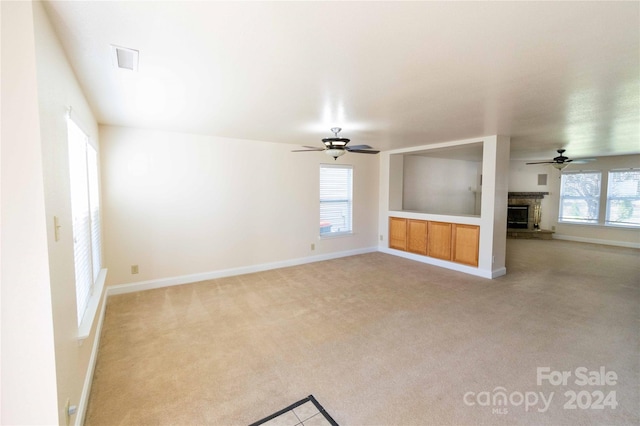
{"x":623,"y":198}
{"x":85,"y":210}
{"x":586,"y":198}
{"x":336,"y":199}
{"x":580,"y":197}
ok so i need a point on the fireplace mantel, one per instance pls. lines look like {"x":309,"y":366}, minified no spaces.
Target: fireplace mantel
{"x":529,"y":195}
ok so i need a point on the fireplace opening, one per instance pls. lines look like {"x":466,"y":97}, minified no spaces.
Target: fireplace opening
{"x":518,"y":216}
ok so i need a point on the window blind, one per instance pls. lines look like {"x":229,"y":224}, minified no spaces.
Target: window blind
{"x":580,"y":197}
{"x":623,"y":198}
{"x":85,"y":210}
{"x":336,"y":199}
{"x":94,"y":208}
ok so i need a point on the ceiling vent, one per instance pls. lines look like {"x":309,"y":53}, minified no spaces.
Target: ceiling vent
{"x":124,"y":58}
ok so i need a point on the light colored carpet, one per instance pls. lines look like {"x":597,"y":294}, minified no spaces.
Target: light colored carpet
{"x":380,"y":340}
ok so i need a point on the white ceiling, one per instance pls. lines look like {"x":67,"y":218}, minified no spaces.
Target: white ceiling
{"x":391,"y":74}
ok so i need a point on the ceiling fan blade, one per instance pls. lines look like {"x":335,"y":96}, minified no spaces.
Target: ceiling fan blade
{"x":561,"y":159}
{"x":351,"y":148}
{"x":308,"y":148}
{"x":584,"y":160}
{"x":363,"y":151}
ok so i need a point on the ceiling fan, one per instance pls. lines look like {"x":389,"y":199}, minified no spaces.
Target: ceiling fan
{"x":560,"y":162}
{"x":335,"y":146}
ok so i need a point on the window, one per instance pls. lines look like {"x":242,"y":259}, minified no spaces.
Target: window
{"x":336,"y":188}
{"x":85,"y":210}
{"x":623,"y":198}
{"x":580,"y":197}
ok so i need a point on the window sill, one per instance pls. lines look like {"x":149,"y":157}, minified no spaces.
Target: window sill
{"x":335,"y":235}
{"x":566,"y":222}
{"x":615,"y":225}
{"x":92,"y":308}
{"x":601,"y":225}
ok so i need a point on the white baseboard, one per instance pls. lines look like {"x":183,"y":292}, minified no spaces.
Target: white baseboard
{"x":443,"y":263}
{"x":192,"y":278}
{"x":498,"y":272}
{"x":88,"y":379}
{"x":596,"y":241}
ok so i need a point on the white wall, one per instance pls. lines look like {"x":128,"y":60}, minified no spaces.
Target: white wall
{"x":495,"y":183}
{"x":524,"y":178}
{"x":178,"y":204}
{"x":440,"y":185}
{"x":57,"y":90}
{"x":28,"y":381}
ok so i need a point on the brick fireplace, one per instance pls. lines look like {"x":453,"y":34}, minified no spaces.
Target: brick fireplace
{"x":521,"y":215}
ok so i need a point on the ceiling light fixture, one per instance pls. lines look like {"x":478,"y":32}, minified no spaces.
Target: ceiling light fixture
{"x":335,"y":152}
{"x":335,"y":147}
{"x":560,"y":166}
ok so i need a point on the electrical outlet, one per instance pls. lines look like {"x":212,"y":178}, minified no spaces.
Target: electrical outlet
{"x":134,"y":269}
{"x":313,"y":246}
{"x":69,"y":410}
{"x":66,"y":412}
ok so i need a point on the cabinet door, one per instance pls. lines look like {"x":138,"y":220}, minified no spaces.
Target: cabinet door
{"x":466,"y":241}
{"x":439,"y":240}
{"x":398,"y":233}
{"x":417,"y":236}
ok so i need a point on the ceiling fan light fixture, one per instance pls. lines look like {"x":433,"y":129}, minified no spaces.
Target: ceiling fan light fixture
{"x":335,"y":152}
{"x":560,"y":166}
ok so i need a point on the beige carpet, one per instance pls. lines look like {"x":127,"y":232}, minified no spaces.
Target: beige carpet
{"x":380,"y":340}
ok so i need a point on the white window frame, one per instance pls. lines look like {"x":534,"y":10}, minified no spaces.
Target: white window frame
{"x":593,"y":198}
{"x":633,"y":198}
{"x":330,"y":224}
{"x":87,"y":235}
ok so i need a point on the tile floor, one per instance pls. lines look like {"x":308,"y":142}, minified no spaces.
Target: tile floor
{"x":306,"y":412}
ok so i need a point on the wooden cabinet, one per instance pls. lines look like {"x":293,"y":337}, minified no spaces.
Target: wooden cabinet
{"x":398,"y":233}
{"x":466,"y":242}
{"x":417,"y":236}
{"x":443,"y":240}
{"x":439,"y":240}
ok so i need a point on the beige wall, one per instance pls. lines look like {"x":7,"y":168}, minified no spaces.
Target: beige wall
{"x":525,"y":177}
{"x":452,"y":185}
{"x":177,"y":204}
{"x":28,"y":373}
